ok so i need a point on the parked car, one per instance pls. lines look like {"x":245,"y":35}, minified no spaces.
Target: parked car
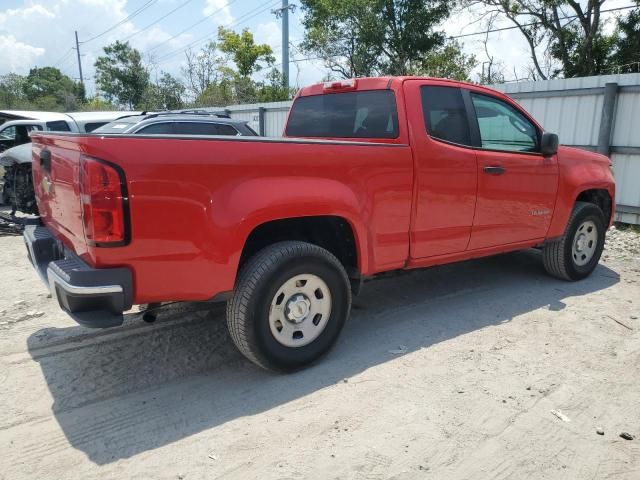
{"x":15,"y":160}
{"x":16,"y":132}
{"x":185,"y":122}
{"x":375,"y":175}
{"x":17,"y":188}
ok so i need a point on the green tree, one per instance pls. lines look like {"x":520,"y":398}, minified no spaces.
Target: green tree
{"x":448,"y":61}
{"x":569,"y":30}
{"x":12,"y":91}
{"x":272,"y":89}
{"x":626,"y":57}
{"x":372,"y":37}
{"x":245,"y":53}
{"x":121,"y":75}
{"x":48,"y":88}
{"x":166,"y":94}
{"x":203,"y":68}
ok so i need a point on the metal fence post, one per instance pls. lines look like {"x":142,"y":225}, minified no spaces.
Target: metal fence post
{"x":227,"y":112}
{"x":607,"y":119}
{"x":262,"y":111}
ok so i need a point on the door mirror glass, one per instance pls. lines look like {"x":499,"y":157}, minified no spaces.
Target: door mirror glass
{"x":549,"y":144}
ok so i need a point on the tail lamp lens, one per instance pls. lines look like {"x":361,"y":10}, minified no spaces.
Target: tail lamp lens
{"x":102,"y":197}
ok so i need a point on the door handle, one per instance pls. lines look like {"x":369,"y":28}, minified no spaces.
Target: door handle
{"x":494,"y":170}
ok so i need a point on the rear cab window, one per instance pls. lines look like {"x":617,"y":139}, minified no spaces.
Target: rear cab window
{"x":360,"y":114}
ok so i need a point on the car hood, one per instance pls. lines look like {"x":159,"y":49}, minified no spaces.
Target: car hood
{"x":19,"y":154}
{"x":578,"y":154}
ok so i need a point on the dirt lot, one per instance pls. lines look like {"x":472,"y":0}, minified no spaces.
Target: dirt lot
{"x":448,"y":373}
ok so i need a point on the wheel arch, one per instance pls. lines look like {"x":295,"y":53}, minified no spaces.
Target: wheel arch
{"x":599,"y":194}
{"x":334,"y":233}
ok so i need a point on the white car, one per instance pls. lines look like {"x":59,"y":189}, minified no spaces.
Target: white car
{"x":16,"y":132}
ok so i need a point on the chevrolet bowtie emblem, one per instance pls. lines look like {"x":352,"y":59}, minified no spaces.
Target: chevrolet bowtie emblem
{"x":46,"y":185}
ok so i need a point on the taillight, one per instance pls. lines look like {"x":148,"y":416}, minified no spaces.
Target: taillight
{"x":103,"y":197}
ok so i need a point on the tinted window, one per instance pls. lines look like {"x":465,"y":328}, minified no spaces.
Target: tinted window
{"x":225,"y":130}
{"x":58,"y":126}
{"x":165,"y":128}
{"x":502,"y":127}
{"x":370,"y":114}
{"x":90,"y":127}
{"x":203,"y":128}
{"x":445,"y":115}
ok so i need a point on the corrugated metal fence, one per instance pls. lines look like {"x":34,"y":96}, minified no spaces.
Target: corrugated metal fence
{"x":595,"y":113}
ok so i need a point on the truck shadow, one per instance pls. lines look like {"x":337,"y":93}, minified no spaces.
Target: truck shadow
{"x":124,"y":391}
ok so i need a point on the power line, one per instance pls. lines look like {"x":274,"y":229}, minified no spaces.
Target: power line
{"x":484,"y":32}
{"x":63,"y":57}
{"x":192,"y":25}
{"x":132,"y":15}
{"x":156,"y":21}
{"x":568,"y":17}
{"x":249,"y":15}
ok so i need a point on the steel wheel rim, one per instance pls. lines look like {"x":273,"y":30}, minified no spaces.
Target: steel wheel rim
{"x":585,"y":242}
{"x":300,"y":310}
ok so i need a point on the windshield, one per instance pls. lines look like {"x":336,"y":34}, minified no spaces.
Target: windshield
{"x":367,"y":114}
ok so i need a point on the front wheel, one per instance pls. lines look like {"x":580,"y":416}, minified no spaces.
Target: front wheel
{"x":290,"y":304}
{"x":577,"y":253}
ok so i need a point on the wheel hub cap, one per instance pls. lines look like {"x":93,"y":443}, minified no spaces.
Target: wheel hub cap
{"x":585,"y":243}
{"x":298,"y":308}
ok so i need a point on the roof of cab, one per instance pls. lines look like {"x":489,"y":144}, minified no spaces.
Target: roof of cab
{"x":383,"y":83}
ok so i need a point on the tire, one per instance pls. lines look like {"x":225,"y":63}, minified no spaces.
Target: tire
{"x":274,"y":290}
{"x":571,"y":257}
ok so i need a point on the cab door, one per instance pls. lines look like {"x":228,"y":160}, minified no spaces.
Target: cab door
{"x":516,"y":185}
{"x":445,"y":168}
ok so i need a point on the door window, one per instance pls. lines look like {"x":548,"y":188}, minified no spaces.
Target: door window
{"x":204,"y":128}
{"x":502,"y":127}
{"x":164,"y":128}
{"x":58,"y":126}
{"x":444,"y":114}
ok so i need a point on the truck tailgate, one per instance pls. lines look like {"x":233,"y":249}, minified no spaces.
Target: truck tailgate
{"x":56,"y":170}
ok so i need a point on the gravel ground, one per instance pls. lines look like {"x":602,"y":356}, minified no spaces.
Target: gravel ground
{"x":487,"y":369}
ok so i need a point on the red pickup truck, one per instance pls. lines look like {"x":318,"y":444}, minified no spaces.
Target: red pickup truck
{"x":373,"y":175}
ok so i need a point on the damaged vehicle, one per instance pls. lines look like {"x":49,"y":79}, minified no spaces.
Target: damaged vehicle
{"x":17,"y":190}
{"x":15,"y":148}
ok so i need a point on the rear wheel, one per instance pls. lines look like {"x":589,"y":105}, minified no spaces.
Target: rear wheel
{"x":577,"y":253}
{"x":290,"y":304}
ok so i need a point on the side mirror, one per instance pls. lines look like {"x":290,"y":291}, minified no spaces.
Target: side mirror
{"x":549,"y":144}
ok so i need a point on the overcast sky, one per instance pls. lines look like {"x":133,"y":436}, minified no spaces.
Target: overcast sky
{"x":41,"y":32}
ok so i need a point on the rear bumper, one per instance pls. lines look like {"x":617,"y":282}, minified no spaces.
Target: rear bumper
{"x":93,"y":297}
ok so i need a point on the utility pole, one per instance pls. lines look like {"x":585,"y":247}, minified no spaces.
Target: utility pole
{"x":79,"y":62}
{"x":284,"y":13}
